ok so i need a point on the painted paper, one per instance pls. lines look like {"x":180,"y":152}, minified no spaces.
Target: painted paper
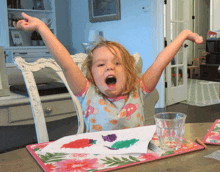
{"x":124,"y":141}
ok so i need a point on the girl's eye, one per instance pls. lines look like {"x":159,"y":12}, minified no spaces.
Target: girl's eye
{"x":117,"y":63}
{"x":99,"y":65}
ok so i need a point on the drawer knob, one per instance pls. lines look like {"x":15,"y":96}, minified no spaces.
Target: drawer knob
{"x":48,"y":109}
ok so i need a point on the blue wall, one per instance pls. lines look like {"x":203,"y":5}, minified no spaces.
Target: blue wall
{"x":64,"y":28}
{"x":133,"y":30}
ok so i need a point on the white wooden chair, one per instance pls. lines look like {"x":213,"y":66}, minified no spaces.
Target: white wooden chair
{"x":27,"y":70}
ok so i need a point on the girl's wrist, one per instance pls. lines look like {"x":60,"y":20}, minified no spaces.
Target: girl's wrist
{"x":186,"y":33}
{"x":41,"y":26}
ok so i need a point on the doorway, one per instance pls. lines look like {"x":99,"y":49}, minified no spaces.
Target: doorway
{"x":200,"y":92}
{"x":197,"y":19}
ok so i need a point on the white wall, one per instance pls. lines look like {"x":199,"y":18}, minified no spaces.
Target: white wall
{"x":215,"y":15}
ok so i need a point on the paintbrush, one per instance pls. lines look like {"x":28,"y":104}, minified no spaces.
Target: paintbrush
{"x":16,"y":19}
{"x":154,"y":148}
{"x":201,"y":143}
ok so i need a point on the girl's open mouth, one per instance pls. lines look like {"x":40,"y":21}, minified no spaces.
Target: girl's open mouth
{"x":111,"y":81}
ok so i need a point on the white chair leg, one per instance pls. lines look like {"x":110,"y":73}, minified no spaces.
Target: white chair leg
{"x":36,"y":106}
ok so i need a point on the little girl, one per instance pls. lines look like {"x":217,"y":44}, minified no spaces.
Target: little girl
{"x":112,"y":93}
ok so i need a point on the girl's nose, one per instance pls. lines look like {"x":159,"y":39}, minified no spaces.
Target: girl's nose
{"x":110,"y":66}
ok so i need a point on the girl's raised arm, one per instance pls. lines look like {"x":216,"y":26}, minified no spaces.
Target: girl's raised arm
{"x":151,"y":77}
{"x":73,"y":74}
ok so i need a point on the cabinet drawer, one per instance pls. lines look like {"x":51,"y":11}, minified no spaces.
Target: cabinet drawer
{"x":24,"y":112}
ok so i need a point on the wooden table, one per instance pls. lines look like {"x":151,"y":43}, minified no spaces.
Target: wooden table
{"x":20,"y":160}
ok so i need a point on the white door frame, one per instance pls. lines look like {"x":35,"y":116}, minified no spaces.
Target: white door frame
{"x":176,"y":90}
{"x":157,"y":40}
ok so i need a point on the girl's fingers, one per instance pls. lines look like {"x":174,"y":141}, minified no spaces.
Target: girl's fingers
{"x":16,"y":25}
{"x":25,"y":24}
{"x":20,"y":25}
{"x":196,"y":38}
{"x":199,"y":39}
{"x":25,"y":16}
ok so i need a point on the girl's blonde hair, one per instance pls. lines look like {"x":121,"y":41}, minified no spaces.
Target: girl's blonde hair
{"x":132,"y":70}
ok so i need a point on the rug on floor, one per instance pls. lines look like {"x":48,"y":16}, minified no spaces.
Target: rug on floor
{"x":202,"y":93}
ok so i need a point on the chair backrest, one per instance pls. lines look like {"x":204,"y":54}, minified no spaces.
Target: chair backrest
{"x":197,"y":61}
{"x":27,"y":70}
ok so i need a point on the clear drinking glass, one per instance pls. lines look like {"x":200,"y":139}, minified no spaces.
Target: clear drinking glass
{"x":170,"y":127}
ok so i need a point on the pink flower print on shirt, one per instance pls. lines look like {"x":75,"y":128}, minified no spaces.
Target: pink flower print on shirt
{"x":128,"y":110}
{"x":90,"y":110}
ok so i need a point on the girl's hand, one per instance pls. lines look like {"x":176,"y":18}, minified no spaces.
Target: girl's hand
{"x":194,"y":37}
{"x":29,"y":23}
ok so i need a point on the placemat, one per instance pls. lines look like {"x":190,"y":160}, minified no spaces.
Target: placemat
{"x":89,"y":162}
{"x":213,"y":135}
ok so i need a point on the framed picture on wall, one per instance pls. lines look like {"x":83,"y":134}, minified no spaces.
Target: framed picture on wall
{"x":38,"y":4}
{"x":104,"y":10}
{"x":16,"y":37}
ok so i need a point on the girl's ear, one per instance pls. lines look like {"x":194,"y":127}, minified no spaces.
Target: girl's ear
{"x":90,"y":77}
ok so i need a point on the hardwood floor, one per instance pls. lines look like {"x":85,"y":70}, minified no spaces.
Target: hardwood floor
{"x":196,"y":114}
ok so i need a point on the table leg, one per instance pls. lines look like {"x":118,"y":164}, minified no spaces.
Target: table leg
{"x":191,"y":70}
